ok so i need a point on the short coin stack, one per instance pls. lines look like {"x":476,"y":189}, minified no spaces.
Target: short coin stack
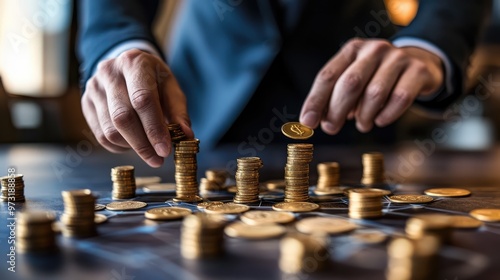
{"x":329,"y":175}
{"x":12,"y":188}
{"x":78,"y":216}
{"x":123,"y":182}
{"x":373,"y":169}
{"x":185,"y":171}
{"x":247,"y":180}
{"x":298,"y":251}
{"x":436,"y":225}
{"x":215,"y":180}
{"x":202,"y":236}
{"x":34,"y":232}
{"x":297,"y":172}
{"x":176,"y":133}
{"x":365,"y":203}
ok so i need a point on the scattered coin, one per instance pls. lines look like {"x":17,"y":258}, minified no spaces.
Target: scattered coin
{"x":447,"y":192}
{"x":160,"y":187}
{"x":295,"y":206}
{"x":100,"y":218}
{"x":264,"y":231}
{"x":411,"y":198}
{"x":296,"y":130}
{"x":232,"y":189}
{"x":458,"y":221}
{"x":203,"y":205}
{"x":99,"y":207}
{"x":125,"y":205}
{"x":167,"y":213}
{"x":369,"y":236}
{"x":143,"y":181}
{"x":257,"y":217}
{"x":227,"y":208}
{"x":328,"y":225}
{"x":275,"y":185}
{"x":486,"y":215}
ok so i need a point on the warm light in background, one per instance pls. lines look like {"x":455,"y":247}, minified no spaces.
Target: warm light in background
{"x":402,"y":12}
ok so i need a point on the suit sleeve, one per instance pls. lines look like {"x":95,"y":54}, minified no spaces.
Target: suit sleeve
{"x":454,"y":26}
{"x":104,"y":24}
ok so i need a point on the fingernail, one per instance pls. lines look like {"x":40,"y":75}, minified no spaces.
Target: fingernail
{"x":155,"y":162}
{"x":162,"y":149}
{"x":329,"y":128}
{"x":310,"y":119}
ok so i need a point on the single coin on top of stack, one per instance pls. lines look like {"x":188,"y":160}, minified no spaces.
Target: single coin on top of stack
{"x":202,"y":236}
{"x":298,"y":251}
{"x":373,"y":169}
{"x":34,"y":232}
{"x":186,"y":168}
{"x":12,"y":188}
{"x":247,"y":180}
{"x":365,"y":203}
{"x":297,"y":172}
{"x":123,"y":182}
{"x":176,"y":132}
{"x":78,"y":216}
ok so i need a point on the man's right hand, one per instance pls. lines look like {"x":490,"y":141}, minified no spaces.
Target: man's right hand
{"x":129,"y":102}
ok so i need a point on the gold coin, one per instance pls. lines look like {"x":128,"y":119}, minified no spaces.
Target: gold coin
{"x":160,"y":187}
{"x":366,"y":192}
{"x":447,"y":192}
{"x":265,"y":231}
{"x":410,"y":198}
{"x":330,"y":190}
{"x":257,"y":217}
{"x":100,"y":218}
{"x":203,"y":205}
{"x":327,"y":225}
{"x":142,"y":181}
{"x":125,"y":205}
{"x":99,"y":207}
{"x":369,"y":236}
{"x":486,"y":215}
{"x":227,"y":208}
{"x":232,"y":189}
{"x":295,"y":206}
{"x":167,"y":213}
{"x":464,"y":222}
{"x":275,"y":184}
{"x":296,"y":130}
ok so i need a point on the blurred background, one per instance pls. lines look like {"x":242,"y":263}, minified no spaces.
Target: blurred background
{"x":39,"y":87}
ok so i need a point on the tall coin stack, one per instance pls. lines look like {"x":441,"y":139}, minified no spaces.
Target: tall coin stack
{"x":176,"y":133}
{"x":373,"y":169}
{"x":297,"y":172}
{"x":12,"y":188}
{"x":185,"y":171}
{"x":78,"y":216}
{"x":34,"y":232}
{"x":298,"y":251}
{"x":329,"y":175}
{"x":202,"y":237}
{"x":365,"y":203}
{"x":247,"y":180}
{"x":412,"y":259}
{"x":123,"y":182}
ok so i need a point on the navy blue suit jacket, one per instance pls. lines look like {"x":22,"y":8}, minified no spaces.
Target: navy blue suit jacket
{"x":222,"y":49}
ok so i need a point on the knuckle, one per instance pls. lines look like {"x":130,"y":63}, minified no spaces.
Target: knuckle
{"x":122,"y":117}
{"x":105,"y":66}
{"x":128,"y":57}
{"x":142,"y":99}
{"x":112,"y":134}
{"x":420,"y":67}
{"x":326,"y":76}
{"x":399,"y":55}
{"x":379,"y":47}
{"x":91,"y":85}
{"x":375,"y":92}
{"x":402,"y":97}
{"x":101,"y":138}
{"x":351,"y":81}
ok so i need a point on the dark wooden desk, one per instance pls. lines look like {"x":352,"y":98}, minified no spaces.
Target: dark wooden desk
{"x":128,"y":247}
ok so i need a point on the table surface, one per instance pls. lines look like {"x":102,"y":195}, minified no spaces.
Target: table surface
{"x":129,"y":247}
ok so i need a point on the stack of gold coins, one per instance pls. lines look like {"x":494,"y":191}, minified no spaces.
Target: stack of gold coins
{"x":365,"y":203}
{"x":78,"y":216}
{"x":12,"y":188}
{"x":329,"y":175}
{"x":34,"y":232}
{"x":373,"y":169}
{"x":412,"y":259}
{"x":176,"y":133}
{"x":186,"y":168}
{"x":297,"y":172}
{"x":218,"y":176}
{"x":436,"y":225}
{"x":202,"y":236}
{"x":207,"y":186}
{"x":247,"y":180}
{"x":123,"y":182}
{"x":298,"y":251}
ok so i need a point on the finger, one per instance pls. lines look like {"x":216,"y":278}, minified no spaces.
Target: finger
{"x":174,"y":103}
{"x":349,"y":87}
{"x":316,"y":103}
{"x":142,"y":87}
{"x":406,"y":90}
{"x":378,"y":90}
{"x":90,"y":115}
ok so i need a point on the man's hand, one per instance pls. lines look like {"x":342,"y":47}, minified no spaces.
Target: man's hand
{"x":130,"y":100}
{"x":371,"y":81}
